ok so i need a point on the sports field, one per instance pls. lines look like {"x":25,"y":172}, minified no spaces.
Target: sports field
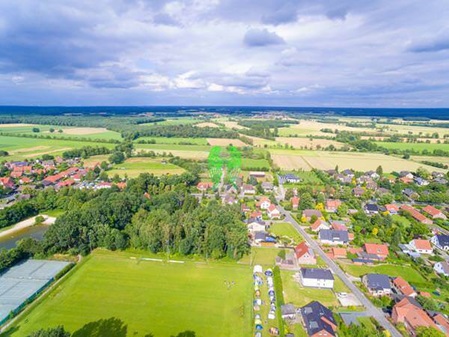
{"x":121,"y":296}
{"x":132,"y":167}
{"x":21,"y":148}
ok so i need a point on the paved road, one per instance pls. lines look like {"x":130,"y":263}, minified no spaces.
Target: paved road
{"x":371,"y":310}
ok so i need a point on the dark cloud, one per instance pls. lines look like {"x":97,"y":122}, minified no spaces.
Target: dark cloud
{"x":439,"y":44}
{"x":261,"y":37}
{"x":165,"y":19}
{"x":285,"y":14}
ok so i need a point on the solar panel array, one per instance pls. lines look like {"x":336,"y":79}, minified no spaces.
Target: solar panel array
{"x":23,"y":281}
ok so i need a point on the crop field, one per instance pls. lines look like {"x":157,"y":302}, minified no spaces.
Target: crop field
{"x":307,"y":127}
{"x":225,"y":142}
{"x":176,"y":121}
{"x":414,"y":146}
{"x":443,"y":160}
{"x":307,"y":143}
{"x":207,"y":124}
{"x":132,"y":167}
{"x":196,"y":152}
{"x":257,"y":163}
{"x":71,"y":132}
{"x":21,"y":148}
{"x":111,"y":294}
{"x":323,"y":160}
{"x":175,"y":140}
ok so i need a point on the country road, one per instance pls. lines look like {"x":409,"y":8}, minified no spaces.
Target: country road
{"x":371,"y":310}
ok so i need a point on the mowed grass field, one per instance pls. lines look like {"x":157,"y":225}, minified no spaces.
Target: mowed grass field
{"x":132,"y":167}
{"x":67,"y":131}
{"x":324,"y":160}
{"x":145,"y":297}
{"x":21,"y":148}
{"x":196,"y":152}
{"x":414,"y":146}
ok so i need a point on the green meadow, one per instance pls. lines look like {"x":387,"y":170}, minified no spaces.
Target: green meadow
{"x":116,"y":295}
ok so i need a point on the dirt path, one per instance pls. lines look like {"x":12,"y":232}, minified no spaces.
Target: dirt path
{"x":27,"y":223}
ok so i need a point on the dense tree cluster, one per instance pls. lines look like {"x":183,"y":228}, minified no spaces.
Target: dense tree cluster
{"x":85,"y":152}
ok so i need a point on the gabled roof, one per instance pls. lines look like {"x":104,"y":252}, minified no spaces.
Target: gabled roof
{"x":317,"y":224}
{"x":443,"y":240}
{"x":302,"y":249}
{"x":377,"y":249}
{"x":316,"y":273}
{"x":333,"y":235}
{"x":372,"y":207}
{"x":378,"y":281}
{"x":403,"y":286}
{"x":431,"y":210}
{"x":317,"y":318}
{"x":422,"y":244}
{"x":312,"y":212}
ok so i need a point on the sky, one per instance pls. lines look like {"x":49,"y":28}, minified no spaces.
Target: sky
{"x":345,"y":53}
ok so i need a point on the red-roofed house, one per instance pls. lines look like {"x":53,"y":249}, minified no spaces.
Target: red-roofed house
{"x":25,"y":180}
{"x":332,"y":205}
{"x":121,"y":185}
{"x":411,"y":314}
{"x":434,"y":212}
{"x":204,"y":186}
{"x":392,"y":208}
{"x":421,"y":246}
{"x":403,"y":287}
{"x":376,"y":249}
{"x":263,"y":203}
{"x":304,"y":254}
{"x":338,"y":253}
{"x":7,"y":182}
{"x":319,"y":225}
{"x":273,"y":212}
{"x":416,"y":215}
{"x":295,"y":203}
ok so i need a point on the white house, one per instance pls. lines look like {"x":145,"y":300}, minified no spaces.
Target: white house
{"x":377,"y":284}
{"x":442,"y":268}
{"x":273,"y":212}
{"x":421,"y":246}
{"x":256,"y":225}
{"x":317,"y":278}
{"x":441,"y":241}
{"x":264,"y":203}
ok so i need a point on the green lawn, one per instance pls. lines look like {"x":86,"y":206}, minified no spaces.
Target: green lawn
{"x":406,"y":272}
{"x":134,"y":166}
{"x":298,"y":295}
{"x":261,"y":255}
{"x":112,"y":295}
{"x":283,"y":229}
{"x":176,"y":121}
{"x":30,"y":148}
{"x":254,"y":163}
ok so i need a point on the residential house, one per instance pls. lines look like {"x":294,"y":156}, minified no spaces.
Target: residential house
{"x":332,"y":205}
{"x":420,"y":181}
{"x":255,"y":225}
{"x":441,"y":241}
{"x":289,"y":178}
{"x":231,"y":189}
{"x":273,"y":212}
{"x":348,"y":173}
{"x":245,"y":208}
{"x":338,"y":253}
{"x":402,"y":287}
{"x":257,"y":174}
{"x":317,"y":278}
{"x":409,"y":193}
{"x":204,"y":186}
{"x":392,"y":208}
{"x":229,"y":199}
{"x":421,"y":246}
{"x":319,"y":225}
{"x":416,"y":215}
{"x":377,"y":284}
{"x":318,"y":320}
{"x":256,"y":214}
{"x":263,"y":203}
{"x":358,"y":191}
{"x":7,"y":182}
{"x":304,"y":254}
{"x":338,"y":225}
{"x":288,"y":311}
{"x":406,"y":174}
{"x":379,"y":250}
{"x":309,"y":213}
{"x":442,"y":268}
{"x":295,"y":203}
{"x":371,"y":209}
{"x":267,"y":187}
{"x":411,"y":314}
{"x":333,"y":237}
{"x":434,"y":212}
{"x":248,"y":189}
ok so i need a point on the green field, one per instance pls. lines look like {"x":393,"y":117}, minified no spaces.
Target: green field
{"x":29,"y":148}
{"x":115,"y":296}
{"x":132,"y":167}
{"x":68,"y":131}
{"x":175,"y":140}
{"x":261,"y":255}
{"x":176,"y":121}
{"x":406,"y":272}
{"x":197,"y":152}
{"x":284,"y":229}
{"x":255,"y":163}
{"x":414,"y":146}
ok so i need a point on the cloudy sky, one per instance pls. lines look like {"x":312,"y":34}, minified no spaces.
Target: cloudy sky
{"x":376,"y":53}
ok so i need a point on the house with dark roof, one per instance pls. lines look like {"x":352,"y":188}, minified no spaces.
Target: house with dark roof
{"x":267,"y":186}
{"x":289,"y":178}
{"x":309,"y":213}
{"x":317,"y":278}
{"x":377,"y":284}
{"x":371,"y":209}
{"x":358,"y":191}
{"x":333,"y":237}
{"x":255,"y":225}
{"x":442,"y":268}
{"x":288,"y":311}
{"x":441,"y":241}
{"x":318,"y":320}
{"x":409,"y":193}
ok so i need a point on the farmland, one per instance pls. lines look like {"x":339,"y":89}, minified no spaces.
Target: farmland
{"x":225,"y":142}
{"x":132,"y":167}
{"x":21,"y":148}
{"x":112,"y":292}
{"x":324,"y":160}
{"x":67,"y":132}
{"x":420,"y":147}
{"x":175,"y":140}
{"x":184,"y":151}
